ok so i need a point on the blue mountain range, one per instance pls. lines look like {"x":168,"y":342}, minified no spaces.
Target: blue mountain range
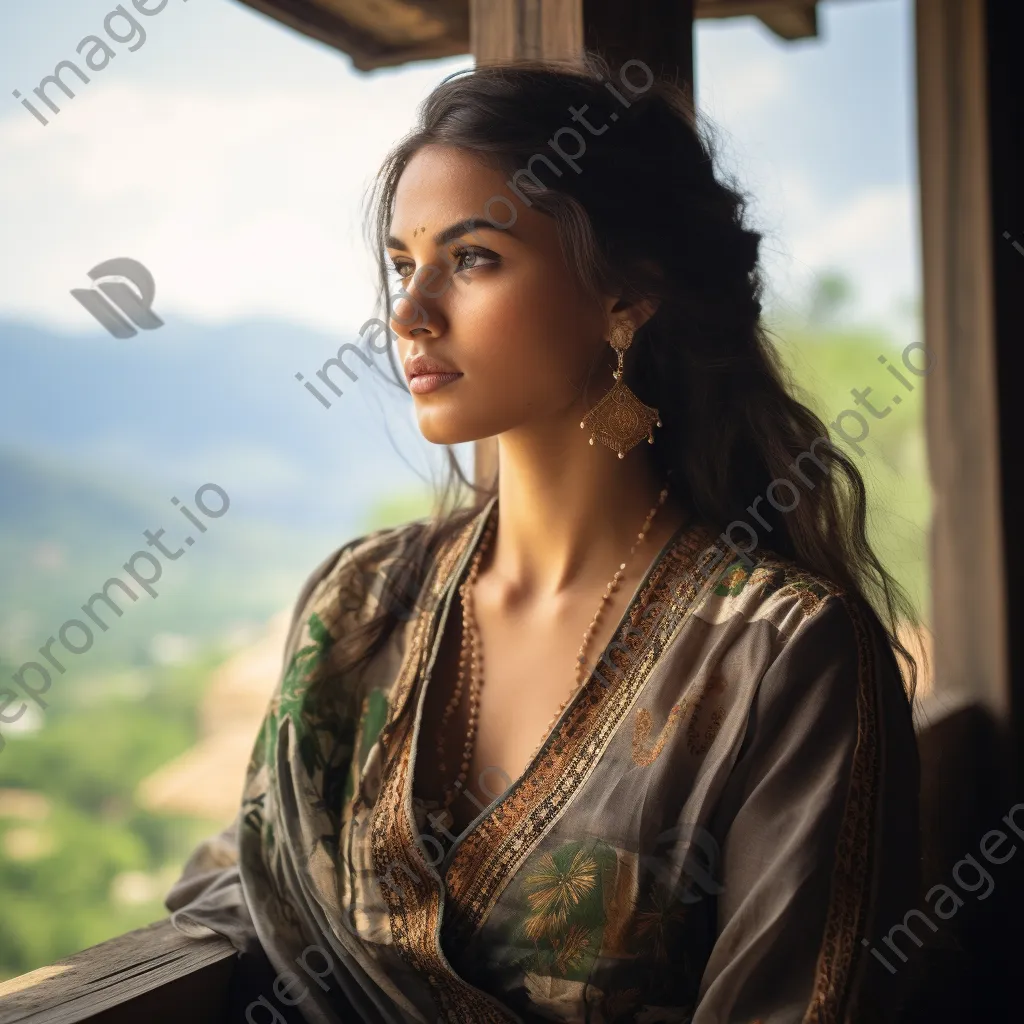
{"x":97,"y":435}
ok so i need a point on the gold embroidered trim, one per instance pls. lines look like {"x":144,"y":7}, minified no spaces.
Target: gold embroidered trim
{"x":413,"y":900}
{"x":427,"y":613}
{"x":489,"y":855}
{"x":407,"y":883}
{"x":784,"y":579}
{"x":492,"y":852}
{"x":851,"y":879}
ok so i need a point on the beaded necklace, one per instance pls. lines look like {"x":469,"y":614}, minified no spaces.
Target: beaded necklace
{"x":471,"y":660}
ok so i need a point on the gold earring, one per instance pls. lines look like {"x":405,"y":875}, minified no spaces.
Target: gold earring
{"x":620,"y":420}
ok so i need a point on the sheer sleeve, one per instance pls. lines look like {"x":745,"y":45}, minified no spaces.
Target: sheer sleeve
{"x":820,"y":826}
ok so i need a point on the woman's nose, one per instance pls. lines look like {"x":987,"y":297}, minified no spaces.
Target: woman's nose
{"x":410,"y":316}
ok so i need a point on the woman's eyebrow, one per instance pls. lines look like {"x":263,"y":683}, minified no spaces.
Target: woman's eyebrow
{"x":461,"y":227}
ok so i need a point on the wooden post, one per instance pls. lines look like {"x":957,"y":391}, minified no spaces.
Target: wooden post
{"x":961,"y":391}
{"x":501,"y":30}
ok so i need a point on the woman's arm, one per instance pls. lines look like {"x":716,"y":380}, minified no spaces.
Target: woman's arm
{"x":820,"y":824}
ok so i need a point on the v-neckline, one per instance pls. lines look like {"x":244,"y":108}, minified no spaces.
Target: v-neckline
{"x":435,"y":635}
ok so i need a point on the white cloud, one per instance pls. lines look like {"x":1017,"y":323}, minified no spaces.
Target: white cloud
{"x":866,"y":225}
{"x":238,"y":204}
{"x":774,"y":104}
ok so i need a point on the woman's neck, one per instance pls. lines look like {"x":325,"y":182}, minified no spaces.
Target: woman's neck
{"x":567,"y":516}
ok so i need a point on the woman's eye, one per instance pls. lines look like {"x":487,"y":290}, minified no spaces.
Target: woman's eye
{"x":470,"y":259}
{"x":401,"y":269}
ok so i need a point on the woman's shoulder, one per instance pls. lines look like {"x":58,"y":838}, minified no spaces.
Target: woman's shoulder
{"x":803,"y":620}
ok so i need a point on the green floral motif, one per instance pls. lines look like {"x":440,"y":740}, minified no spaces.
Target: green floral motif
{"x":783,"y":580}
{"x":660,"y":937}
{"x":734,"y":579}
{"x":289,"y":703}
{"x":562,"y":893}
{"x":374,"y":715}
{"x":773,"y":578}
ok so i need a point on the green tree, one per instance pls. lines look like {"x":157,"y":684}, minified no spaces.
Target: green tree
{"x":830,"y":292}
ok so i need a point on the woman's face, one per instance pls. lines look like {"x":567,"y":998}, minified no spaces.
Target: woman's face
{"x":498,"y":306}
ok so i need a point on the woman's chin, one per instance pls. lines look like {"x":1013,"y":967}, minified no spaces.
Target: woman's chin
{"x":446,"y":430}
{"x":439,"y":432}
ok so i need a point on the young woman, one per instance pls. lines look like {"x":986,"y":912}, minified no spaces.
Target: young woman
{"x":623,"y":738}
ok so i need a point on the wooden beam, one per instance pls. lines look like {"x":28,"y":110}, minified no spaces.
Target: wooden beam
{"x":969,"y":591}
{"x":391,"y":32}
{"x":788,"y":19}
{"x":794,"y":21}
{"x":388,"y":34}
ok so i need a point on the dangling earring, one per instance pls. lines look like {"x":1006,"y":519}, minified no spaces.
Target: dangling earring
{"x":620,"y":420}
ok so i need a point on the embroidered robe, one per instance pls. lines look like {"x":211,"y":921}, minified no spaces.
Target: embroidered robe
{"x":716,"y":829}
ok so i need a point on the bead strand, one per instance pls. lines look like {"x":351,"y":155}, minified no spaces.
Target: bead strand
{"x":470,"y":652}
{"x":471,"y":655}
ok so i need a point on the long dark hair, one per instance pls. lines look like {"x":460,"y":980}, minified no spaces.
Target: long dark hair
{"x":648,"y":215}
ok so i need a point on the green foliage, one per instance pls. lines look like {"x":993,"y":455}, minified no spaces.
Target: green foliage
{"x":830,"y":292}
{"x":60,"y":872}
{"x":122,"y":743}
{"x":57,"y":870}
{"x":826,"y":366}
{"x":65,"y":530}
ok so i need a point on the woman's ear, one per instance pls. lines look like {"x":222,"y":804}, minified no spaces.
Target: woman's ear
{"x":639,"y":308}
{"x":639,"y":312}
{"x":643,"y":311}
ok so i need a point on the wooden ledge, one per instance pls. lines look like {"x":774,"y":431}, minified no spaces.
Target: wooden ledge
{"x":152,"y":974}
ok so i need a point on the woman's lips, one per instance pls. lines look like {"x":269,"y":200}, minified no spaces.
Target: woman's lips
{"x":423,"y":383}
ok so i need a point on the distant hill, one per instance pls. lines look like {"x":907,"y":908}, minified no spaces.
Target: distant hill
{"x":97,"y":435}
{"x":62,"y":535}
{"x":42,"y":497}
{"x":176,"y":407}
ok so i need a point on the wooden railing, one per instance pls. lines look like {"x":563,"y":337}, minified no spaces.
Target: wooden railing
{"x":155,"y":975}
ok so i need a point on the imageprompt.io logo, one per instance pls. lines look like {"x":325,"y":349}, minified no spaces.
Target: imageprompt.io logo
{"x":114,"y":303}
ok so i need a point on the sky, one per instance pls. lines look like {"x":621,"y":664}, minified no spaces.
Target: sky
{"x":231,"y":155}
